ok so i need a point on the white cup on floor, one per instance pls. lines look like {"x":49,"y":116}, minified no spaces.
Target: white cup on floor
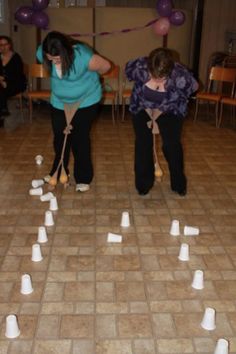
{"x":26,"y":284}
{"x":12,"y":328}
{"x":208,"y":321}
{"x":125,"y":221}
{"x":174,"y":229}
{"x":222,"y":346}
{"x":36,"y":253}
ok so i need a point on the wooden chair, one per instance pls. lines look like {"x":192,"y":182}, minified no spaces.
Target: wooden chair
{"x":125,"y":94}
{"x":111,"y":86}
{"x":215,"y":91}
{"x":228,"y":101}
{"x":229,"y":61}
{"x":37,"y":72}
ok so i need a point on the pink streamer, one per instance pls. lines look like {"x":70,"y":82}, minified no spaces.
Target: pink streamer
{"x":125,"y":30}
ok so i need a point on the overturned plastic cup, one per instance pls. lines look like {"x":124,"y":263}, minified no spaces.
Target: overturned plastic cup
{"x":36,"y":191}
{"x":46,"y":197}
{"x":125,"y":221}
{"x":191,"y":231}
{"x":37,"y":183}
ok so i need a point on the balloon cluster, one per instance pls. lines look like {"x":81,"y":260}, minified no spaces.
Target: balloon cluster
{"x":33,"y":15}
{"x":168,"y":17}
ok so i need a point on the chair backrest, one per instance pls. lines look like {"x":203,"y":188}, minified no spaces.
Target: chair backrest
{"x":35,"y":73}
{"x":38,"y":71}
{"x":220,"y":75}
{"x":230,"y":61}
{"x":111,"y":79}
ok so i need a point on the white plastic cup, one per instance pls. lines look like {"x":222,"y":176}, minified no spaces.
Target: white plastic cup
{"x":36,"y":253}
{"x":37,"y":183}
{"x":191,"y":231}
{"x":184,"y":252}
{"x":208,"y":321}
{"x":12,"y":328}
{"x":48,"y":218}
{"x":42,"y":235}
{"x":198,"y":280}
{"x":174,"y":229}
{"x":36,"y":191}
{"x":53,"y":204}
{"x":39,"y":159}
{"x":26,"y":284}
{"x":222,"y":346}
{"x":46,"y":197}
{"x":125,"y":221}
{"x":114,"y":237}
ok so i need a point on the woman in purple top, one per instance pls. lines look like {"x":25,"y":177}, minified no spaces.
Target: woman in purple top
{"x":161,"y":89}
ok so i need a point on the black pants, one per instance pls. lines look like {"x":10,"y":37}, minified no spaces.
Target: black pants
{"x":7,"y":92}
{"x":170,"y":127}
{"x":78,"y":141}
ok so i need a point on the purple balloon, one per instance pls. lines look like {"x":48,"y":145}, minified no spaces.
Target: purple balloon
{"x":24,"y":15}
{"x":177,"y":18}
{"x":164,"y":8}
{"x":40,"y":19}
{"x":40,"y":4}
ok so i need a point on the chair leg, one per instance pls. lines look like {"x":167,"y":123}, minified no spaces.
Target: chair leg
{"x":117,"y":108}
{"x":113,"y":112}
{"x":21,"y":108}
{"x":196,"y":110}
{"x":30,"y":109}
{"x":123,"y":109}
{"x":220,"y":116}
{"x":217,"y":113}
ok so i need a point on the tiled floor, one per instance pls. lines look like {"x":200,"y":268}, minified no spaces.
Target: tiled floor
{"x":91,"y":297}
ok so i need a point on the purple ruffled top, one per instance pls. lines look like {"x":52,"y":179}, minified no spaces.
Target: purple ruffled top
{"x":179,"y":87}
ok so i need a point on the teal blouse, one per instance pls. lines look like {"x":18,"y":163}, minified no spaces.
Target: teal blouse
{"x":79,"y":85}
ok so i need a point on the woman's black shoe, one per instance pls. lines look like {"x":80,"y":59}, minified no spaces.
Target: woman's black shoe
{"x":143,"y":191}
{"x":181,"y":193}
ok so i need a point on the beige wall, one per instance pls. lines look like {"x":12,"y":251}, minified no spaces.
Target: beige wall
{"x":122,"y":47}
{"x":119,"y":47}
{"x":218,"y":18}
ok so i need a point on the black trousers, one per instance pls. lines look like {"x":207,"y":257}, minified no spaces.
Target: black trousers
{"x":170,"y":127}
{"x":78,"y":141}
{"x":7,"y":92}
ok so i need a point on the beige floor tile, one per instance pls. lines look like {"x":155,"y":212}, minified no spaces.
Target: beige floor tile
{"x":134,"y":326}
{"x":77,"y":326}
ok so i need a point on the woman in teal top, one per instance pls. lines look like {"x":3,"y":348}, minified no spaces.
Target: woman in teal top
{"x":75,"y":88}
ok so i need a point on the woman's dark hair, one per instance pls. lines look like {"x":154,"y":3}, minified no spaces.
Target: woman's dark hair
{"x":9,"y":41}
{"x":58,"y":44}
{"x":160,"y":62}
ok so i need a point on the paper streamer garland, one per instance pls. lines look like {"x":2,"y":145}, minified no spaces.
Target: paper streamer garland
{"x":125,"y":30}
